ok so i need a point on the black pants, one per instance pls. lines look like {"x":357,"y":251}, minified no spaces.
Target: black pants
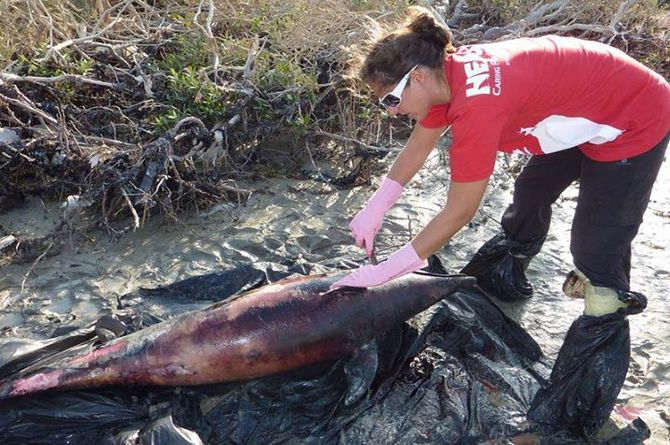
{"x":613,"y":196}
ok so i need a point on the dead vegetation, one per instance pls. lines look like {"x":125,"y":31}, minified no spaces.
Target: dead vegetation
{"x":125,"y":109}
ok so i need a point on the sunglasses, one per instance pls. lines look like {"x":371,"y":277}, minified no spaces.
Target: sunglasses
{"x":392,"y":99}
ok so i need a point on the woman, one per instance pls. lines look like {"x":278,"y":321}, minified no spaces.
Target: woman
{"x":583,"y":110}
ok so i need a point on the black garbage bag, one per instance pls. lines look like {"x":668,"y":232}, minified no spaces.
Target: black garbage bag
{"x":500,"y":266}
{"x":73,"y":417}
{"x":589,"y":371}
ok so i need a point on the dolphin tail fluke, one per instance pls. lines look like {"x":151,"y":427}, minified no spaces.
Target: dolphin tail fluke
{"x":360,"y":371}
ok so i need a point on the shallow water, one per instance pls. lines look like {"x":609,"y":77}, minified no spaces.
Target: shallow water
{"x":305,"y":221}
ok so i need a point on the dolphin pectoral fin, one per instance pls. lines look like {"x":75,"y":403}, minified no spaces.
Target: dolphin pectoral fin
{"x":360,"y":371}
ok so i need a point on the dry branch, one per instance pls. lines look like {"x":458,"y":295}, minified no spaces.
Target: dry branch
{"x":8,"y":77}
{"x":24,"y":105}
{"x":360,"y":145}
{"x":32,"y":267}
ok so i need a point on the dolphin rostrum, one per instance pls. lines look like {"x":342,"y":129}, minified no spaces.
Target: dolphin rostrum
{"x":275,"y":328}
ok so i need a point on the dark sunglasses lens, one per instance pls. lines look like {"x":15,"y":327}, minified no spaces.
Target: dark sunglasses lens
{"x":391,"y":101}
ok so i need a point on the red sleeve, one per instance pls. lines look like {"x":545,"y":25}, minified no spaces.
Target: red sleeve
{"x":436,"y":117}
{"x":476,"y":138}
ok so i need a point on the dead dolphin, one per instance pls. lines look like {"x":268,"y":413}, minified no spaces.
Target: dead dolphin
{"x":278,"y":327}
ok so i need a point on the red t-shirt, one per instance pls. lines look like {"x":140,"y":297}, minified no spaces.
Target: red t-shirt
{"x":542,"y":95}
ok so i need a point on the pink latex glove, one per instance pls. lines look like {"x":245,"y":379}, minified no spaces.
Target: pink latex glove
{"x":402,"y":262}
{"x":367,"y":222}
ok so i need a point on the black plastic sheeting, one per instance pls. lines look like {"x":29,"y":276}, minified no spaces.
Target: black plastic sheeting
{"x":460,"y":373}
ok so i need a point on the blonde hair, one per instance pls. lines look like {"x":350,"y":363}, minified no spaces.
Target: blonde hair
{"x":419,"y":41}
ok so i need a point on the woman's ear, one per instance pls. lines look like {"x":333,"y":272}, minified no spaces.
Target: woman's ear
{"x":419,"y":75}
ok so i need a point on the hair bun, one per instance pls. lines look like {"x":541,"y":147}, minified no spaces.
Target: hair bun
{"x":423,"y":23}
{"x":421,"y":40}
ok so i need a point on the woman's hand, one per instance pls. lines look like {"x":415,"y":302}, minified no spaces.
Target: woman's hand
{"x":367,"y":222}
{"x":365,"y":225}
{"x":400,"y":263}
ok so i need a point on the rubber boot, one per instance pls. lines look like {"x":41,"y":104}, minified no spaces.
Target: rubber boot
{"x":500,"y":266}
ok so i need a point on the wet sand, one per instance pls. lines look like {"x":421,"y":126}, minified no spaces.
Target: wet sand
{"x":305,"y":221}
